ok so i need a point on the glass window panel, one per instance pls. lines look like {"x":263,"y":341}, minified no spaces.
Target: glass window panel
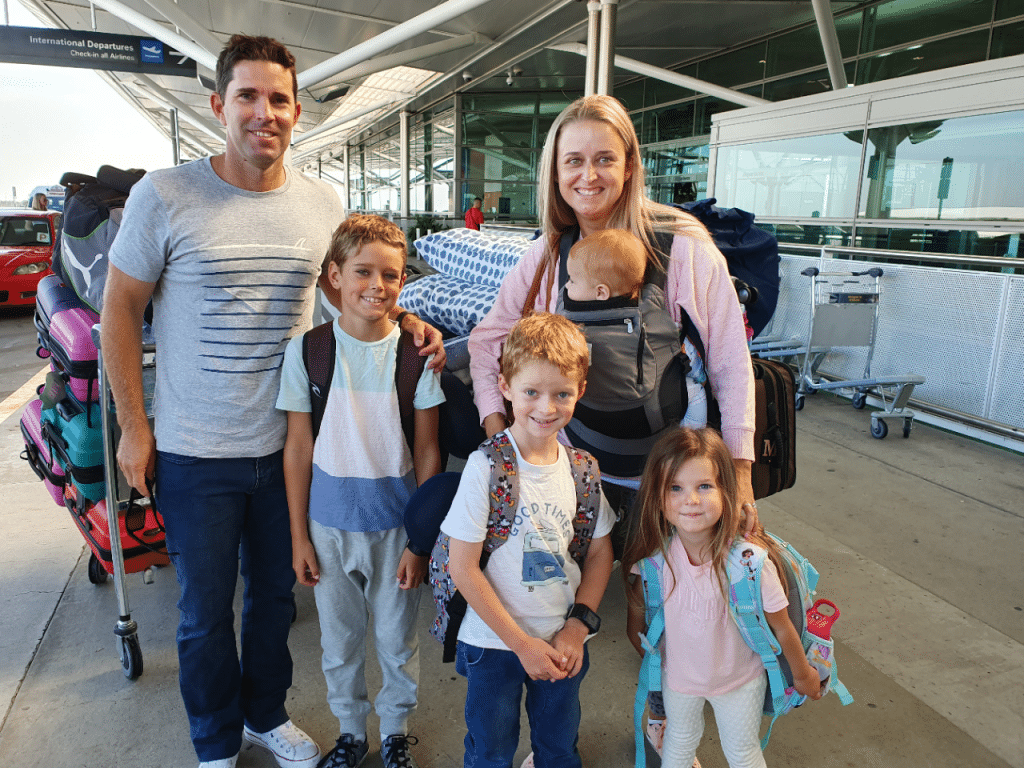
{"x":631,"y":94}
{"x":676,"y":174}
{"x":902,"y":21}
{"x":506,"y":201}
{"x":735,"y":67}
{"x":962,"y":168}
{"x":807,"y":84}
{"x":516,"y":102}
{"x":938,"y":54}
{"x":1007,"y":40}
{"x":1007,"y":9}
{"x":499,"y":163}
{"x":807,"y":177}
{"x":667,"y":123}
{"x":802,"y":48}
{"x":508,"y":130}
{"x":967,"y":242}
{"x":660,"y":92}
{"x":705,"y":109}
{"x":808,"y":234}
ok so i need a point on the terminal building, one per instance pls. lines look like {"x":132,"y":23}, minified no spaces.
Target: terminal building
{"x":862,"y":133}
{"x":878,"y":130}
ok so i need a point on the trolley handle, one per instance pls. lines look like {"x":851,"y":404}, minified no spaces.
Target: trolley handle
{"x":814,"y":272}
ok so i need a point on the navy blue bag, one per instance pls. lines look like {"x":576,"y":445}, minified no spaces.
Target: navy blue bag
{"x":752,"y":254}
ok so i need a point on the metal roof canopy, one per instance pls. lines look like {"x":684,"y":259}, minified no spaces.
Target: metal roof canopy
{"x":356,"y":64}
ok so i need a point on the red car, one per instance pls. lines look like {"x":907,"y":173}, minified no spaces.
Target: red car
{"x":26,"y":245}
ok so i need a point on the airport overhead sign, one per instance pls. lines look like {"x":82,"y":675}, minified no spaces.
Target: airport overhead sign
{"x":92,"y":50}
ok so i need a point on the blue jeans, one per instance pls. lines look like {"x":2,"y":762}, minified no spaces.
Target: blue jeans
{"x":217,"y":511}
{"x":495,"y":685}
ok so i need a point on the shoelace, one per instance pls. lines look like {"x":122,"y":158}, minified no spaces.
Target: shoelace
{"x":344,"y":754}
{"x":396,"y":751}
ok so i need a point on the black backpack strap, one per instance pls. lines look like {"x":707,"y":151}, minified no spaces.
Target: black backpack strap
{"x":567,"y":241}
{"x":319,"y":348}
{"x":408,"y":370}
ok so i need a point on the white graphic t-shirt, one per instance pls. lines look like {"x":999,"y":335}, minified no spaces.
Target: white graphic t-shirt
{"x":532,"y":573}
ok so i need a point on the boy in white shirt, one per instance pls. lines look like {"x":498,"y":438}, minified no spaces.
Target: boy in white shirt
{"x":347,"y":490}
{"x":532,"y":608}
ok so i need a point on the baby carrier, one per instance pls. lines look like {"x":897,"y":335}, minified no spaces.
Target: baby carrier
{"x":744,"y":567}
{"x":636,"y":388}
{"x":429,"y":505}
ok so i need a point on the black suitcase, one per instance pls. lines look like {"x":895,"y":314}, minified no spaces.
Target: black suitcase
{"x":774,"y":466}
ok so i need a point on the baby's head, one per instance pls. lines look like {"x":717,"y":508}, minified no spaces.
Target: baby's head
{"x":606,"y":264}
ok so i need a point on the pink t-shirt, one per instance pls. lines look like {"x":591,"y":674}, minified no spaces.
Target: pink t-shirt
{"x":703,"y":652}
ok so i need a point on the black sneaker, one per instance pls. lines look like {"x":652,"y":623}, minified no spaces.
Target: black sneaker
{"x":348,"y":752}
{"x":395,"y":751}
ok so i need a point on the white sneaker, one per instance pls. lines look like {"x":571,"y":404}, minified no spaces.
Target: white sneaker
{"x":227,"y":762}
{"x":291,"y":747}
{"x":528,"y":762}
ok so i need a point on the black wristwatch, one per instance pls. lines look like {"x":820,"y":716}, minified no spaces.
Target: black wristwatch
{"x":401,"y":316}
{"x":590,"y":619}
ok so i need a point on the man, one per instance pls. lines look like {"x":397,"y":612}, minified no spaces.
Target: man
{"x":229,"y":248}
{"x":475,"y":216}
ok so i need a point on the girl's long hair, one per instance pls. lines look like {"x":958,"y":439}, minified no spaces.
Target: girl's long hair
{"x":634,"y":211}
{"x":651,"y":532}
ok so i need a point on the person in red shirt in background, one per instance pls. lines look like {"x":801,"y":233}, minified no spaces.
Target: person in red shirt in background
{"x":474,"y":216}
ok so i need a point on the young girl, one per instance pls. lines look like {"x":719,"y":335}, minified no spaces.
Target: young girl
{"x":688,"y":512}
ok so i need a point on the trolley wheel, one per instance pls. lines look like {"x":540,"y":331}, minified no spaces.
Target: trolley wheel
{"x":907,"y":423}
{"x":879,"y":428}
{"x":859,"y":400}
{"x":799,"y":404}
{"x":96,"y":573}
{"x":131,"y":656}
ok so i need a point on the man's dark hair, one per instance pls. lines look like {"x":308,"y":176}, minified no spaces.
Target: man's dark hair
{"x":247,"y":48}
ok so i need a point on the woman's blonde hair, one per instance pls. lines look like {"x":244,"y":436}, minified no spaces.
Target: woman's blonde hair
{"x":652,"y":532}
{"x":634,"y":211}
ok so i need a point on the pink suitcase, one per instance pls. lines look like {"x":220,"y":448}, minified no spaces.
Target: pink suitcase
{"x":37,"y":452}
{"x":72,"y":352}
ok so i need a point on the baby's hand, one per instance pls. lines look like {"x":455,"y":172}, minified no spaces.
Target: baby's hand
{"x":412,"y":570}
{"x":807,"y":682}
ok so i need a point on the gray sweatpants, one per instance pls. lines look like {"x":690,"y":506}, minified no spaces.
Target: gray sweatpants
{"x":357,"y":577}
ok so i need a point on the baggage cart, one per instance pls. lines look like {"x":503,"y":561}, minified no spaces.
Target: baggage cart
{"x":122,"y":501}
{"x":844,"y":313}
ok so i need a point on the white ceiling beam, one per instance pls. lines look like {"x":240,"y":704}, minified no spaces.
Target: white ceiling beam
{"x":342,"y":120}
{"x":350,"y":15}
{"x":151,"y":89}
{"x":173,"y":13}
{"x":668,"y":76}
{"x":402,"y":58}
{"x":385,"y":40}
{"x":182,"y":44}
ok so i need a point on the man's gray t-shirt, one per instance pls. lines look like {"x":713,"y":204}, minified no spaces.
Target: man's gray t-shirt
{"x":235,"y":273}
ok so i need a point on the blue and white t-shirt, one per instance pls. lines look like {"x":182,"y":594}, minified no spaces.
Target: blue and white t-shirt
{"x":362,"y":468}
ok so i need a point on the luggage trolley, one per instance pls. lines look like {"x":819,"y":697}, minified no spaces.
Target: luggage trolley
{"x":844,"y":313}
{"x":126,"y":629}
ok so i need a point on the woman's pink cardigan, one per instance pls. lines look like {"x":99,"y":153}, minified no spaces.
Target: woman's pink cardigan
{"x":698,"y":281}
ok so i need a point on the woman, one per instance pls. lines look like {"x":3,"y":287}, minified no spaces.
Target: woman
{"x":591,"y":177}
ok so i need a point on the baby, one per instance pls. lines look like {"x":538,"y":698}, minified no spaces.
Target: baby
{"x":609,"y":265}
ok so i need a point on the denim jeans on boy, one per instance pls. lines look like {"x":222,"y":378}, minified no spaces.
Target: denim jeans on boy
{"x":218,"y":511}
{"x":495,"y":686}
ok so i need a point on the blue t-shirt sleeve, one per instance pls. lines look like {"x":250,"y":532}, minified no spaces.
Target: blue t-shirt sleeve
{"x":294,"y":392}
{"x":428,"y":389}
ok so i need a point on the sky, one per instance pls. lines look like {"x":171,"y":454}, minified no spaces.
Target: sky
{"x":59,"y":119}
